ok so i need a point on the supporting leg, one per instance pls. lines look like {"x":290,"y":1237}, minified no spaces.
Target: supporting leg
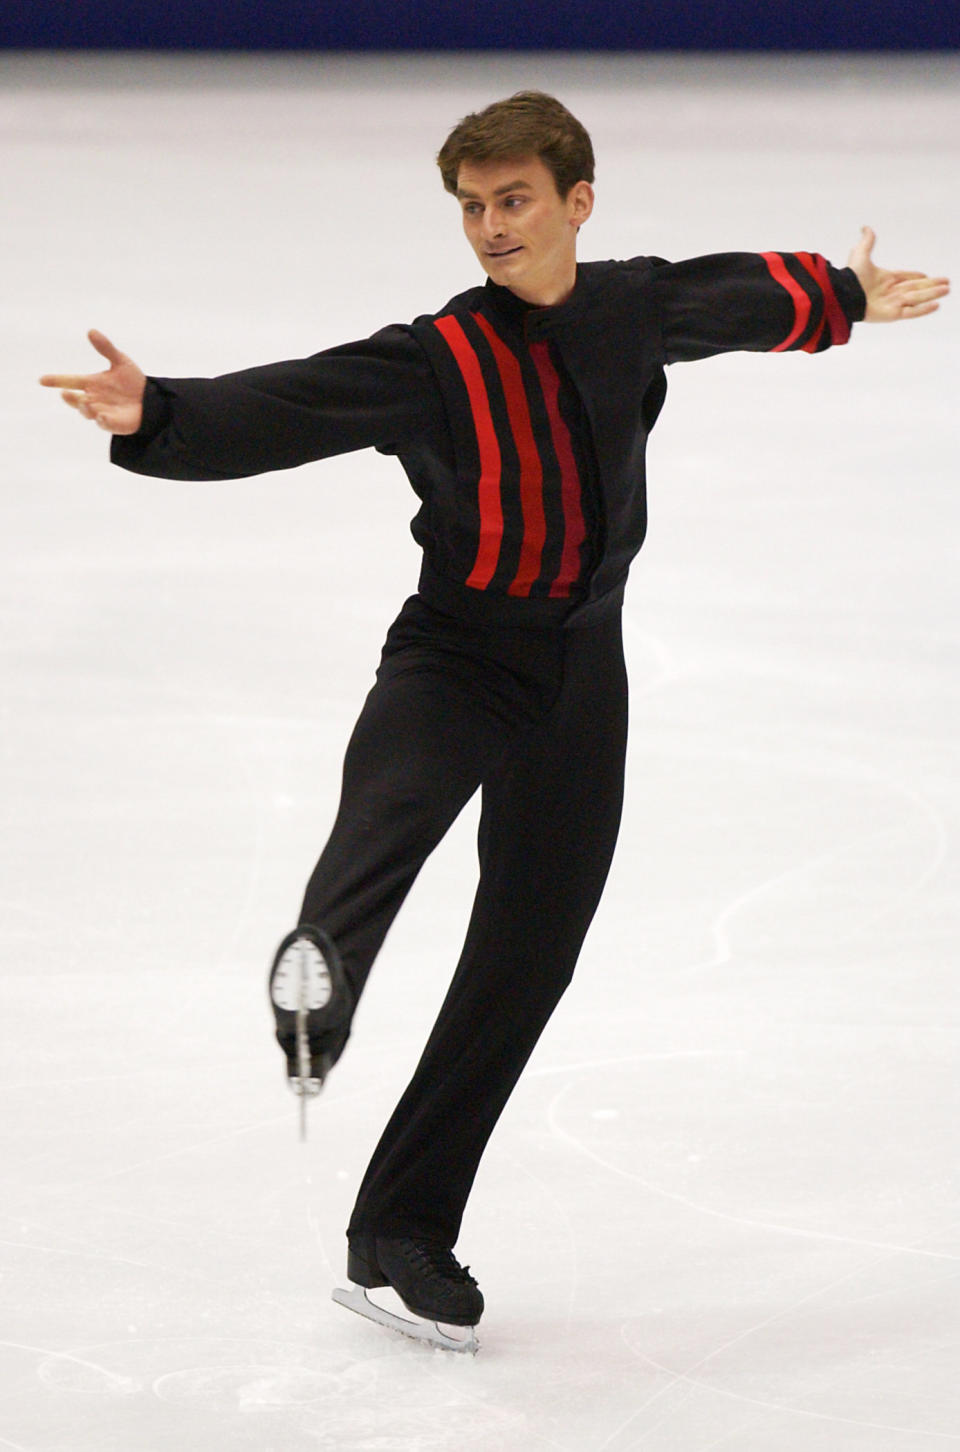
{"x":550,"y":819}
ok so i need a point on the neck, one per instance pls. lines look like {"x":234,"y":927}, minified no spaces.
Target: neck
{"x":548,"y":294}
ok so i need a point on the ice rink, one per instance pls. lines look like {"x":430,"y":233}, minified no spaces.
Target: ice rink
{"x":720,"y":1211}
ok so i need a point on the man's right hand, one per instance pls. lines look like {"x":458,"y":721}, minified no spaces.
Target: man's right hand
{"x":113,"y":399}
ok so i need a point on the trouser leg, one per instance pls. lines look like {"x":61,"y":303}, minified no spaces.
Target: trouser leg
{"x":440,"y":713}
{"x":407,"y":773}
{"x":551,"y":813}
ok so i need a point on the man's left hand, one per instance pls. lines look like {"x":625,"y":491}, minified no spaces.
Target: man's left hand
{"x":893,"y":296}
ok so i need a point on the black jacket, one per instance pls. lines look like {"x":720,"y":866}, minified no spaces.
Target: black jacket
{"x":522,"y":430}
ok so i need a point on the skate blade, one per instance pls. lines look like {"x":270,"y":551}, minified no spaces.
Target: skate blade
{"x":304,"y":1085}
{"x":301,"y":979}
{"x":428,"y":1333}
{"x":312,"y":987}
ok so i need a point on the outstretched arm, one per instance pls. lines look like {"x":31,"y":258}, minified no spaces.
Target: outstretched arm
{"x":893,"y":296}
{"x":379,"y":393}
{"x":113,"y":399}
{"x":761,"y":302}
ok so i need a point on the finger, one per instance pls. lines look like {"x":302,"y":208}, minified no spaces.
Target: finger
{"x":74,"y":399}
{"x":897,"y":279}
{"x":918,"y":310}
{"x":923,"y":292}
{"x":868,"y":239}
{"x":66,"y":380}
{"x":860,"y":259}
{"x":922,"y":278}
{"x":104,"y":346}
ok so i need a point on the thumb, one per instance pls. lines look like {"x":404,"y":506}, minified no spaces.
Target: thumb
{"x":863,"y":248}
{"x":104,"y":346}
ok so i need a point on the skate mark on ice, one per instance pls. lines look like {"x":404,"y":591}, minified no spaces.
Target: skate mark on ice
{"x":565,"y":1136}
{"x":493,"y":1422}
{"x":13,"y":1446}
{"x":313,"y":1225}
{"x":221,"y":1138}
{"x":644,"y":1058}
{"x":911,"y":1432}
{"x":930,"y":1281}
{"x":57,"y":1084}
{"x":892,"y":901}
{"x":95,"y":1377}
{"x":275,"y":1374}
{"x":699,"y":1384}
{"x":77,"y":1246}
{"x":563,"y":1215}
{"x":225,"y":1137}
{"x":690,"y":1382}
{"x":386,"y":1400}
{"x":84,"y":1255}
{"x":249,"y":1386}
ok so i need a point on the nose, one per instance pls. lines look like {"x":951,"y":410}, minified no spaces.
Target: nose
{"x":492,"y":225}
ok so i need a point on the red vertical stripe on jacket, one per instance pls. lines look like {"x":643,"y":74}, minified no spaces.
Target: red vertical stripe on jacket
{"x":801,"y":303}
{"x":531,"y":467}
{"x":488,"y":489}
{"x":574,"y":530}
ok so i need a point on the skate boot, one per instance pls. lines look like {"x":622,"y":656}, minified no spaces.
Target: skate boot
{"x":429,"y":1280}
{"x":312,"y":1004}
{"x":425,"y":1275}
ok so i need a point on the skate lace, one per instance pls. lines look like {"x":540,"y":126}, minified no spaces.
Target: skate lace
{"x":436,"y":1262}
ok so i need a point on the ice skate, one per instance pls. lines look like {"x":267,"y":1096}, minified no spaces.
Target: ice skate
{"x":442,"y":1301}
{"x":312,"y":1004}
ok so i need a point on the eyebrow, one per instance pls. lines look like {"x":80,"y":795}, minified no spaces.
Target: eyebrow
{"x":500,"y":191}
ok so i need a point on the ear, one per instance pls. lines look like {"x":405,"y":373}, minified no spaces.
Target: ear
{"x":580,"y":202}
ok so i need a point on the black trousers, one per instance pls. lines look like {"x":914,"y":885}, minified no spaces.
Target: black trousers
{"x":537,"y":719}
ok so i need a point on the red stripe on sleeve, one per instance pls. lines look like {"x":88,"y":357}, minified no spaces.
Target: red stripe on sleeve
{"x":835,"y":316}
{"x":801,"y":303}
{"x":531,"y":467}
{"x":488,"y":489}
{"x":812,"y":344}
{"x":574,"y":531}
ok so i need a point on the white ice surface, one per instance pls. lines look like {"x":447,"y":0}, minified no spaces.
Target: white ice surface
{"x":720,"y":1211}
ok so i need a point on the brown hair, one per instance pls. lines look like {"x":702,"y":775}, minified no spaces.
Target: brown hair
{"x":529,"y":123}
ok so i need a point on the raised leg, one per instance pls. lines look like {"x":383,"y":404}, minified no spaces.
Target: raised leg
{"x":445,"y":707}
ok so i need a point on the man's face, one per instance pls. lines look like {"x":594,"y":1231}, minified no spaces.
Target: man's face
{"x":522,"y":230}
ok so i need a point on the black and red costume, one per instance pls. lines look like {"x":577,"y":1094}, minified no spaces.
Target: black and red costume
{"x":522,"y":431}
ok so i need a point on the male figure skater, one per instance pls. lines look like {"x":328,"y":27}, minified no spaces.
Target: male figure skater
{"x":520,"y":413}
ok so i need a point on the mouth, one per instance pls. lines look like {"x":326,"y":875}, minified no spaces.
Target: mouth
{"x":507,"y":252}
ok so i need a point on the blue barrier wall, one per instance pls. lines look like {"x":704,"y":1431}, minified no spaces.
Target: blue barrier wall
{"x":482,"y":24}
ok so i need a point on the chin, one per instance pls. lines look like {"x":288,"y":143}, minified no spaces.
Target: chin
{"x":513,"y":269}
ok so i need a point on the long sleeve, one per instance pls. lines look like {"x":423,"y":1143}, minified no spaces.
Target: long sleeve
{"x":378,"y":393}
{"x":767,"y":302}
